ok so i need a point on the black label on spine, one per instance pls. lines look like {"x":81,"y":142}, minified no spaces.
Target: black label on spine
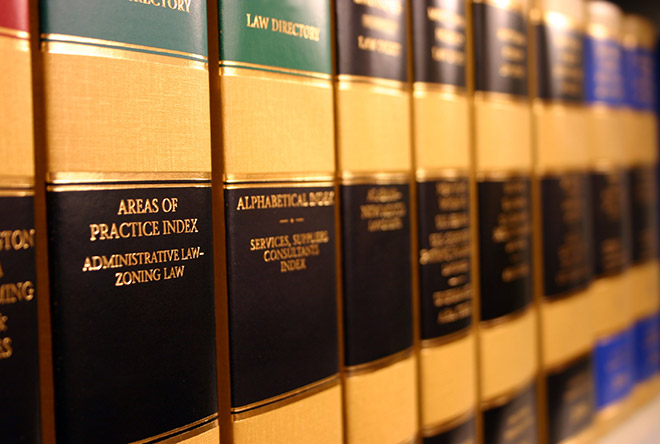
{"x":461,"y":434}
{"x":282,"y":289}
{"x":500,"y":50}
{"x":513,"y":422}
{"x":505,"y":245}
{"x":132,"y":311}
{"x":444,"y":256}
{"x":371,"y":38}
{"x":570,"y":400}
{"x":439,"y":41}
{"x":559,"y":64}
{"x":609,"y":204}
{"x":643,"y":202}
{"x":566,"y":233}
{"x":19,"y":358}
{"x":377,"y":271}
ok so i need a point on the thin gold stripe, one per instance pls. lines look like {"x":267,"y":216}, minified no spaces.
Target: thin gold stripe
{"x":280,"y":77}
{"x":445,"y":426}
{"x":508,"y":396}
{"x":606,"y":167}
{"x":491,"y":323}
{"x":348,"y":79}
{"x":65,"y":48}
{"x":16,"y":182}
{"x":539,"y":104}
{"x":84,"y":177}
{"x":267,"y":68}
{"x":115,"y":44}
{"x":422,"y":89}
{"x":447,"y":339}
{"x":491,"y":96}
{"x":423,"y":175}
{"x":486,"y":176}
{"x":14,"y":33}
{"x":609,"y":333}
{"x":274,"y":402}
{"x":380,"y":178}
{"x":258,"y":185}
{"x":278,"y":177}
{"x":370,"y":367}
{"x":559,"y":172}
{"x":179,"y":430}
{"x":559,"y":368}
{"x":137,"y":186}
{"x":16,"y":193}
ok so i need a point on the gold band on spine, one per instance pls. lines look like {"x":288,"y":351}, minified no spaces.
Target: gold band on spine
{"x":84,"y":177}
{"x":14,"y":33}
{"x":277,"y":177}
{"x":181,"y":434}
{"x":52,"y":38}
{"x":490,"y":323}
{"x":364,"y":178}
{"x":507,"y":397}
{"x":271,"y":69}
{"x":278,"y":401}
{"x":445,"y":426}
{"x":421,"y":89}
{"x":16,"y":182}
{"x":424,"y":175}
{"x":446,"y":339}
{"x":68,"y":48}
{"x":345,"y":80}
{"x":261,"y":185}
{"x":492,"y":96}
{"x":369,"y":367}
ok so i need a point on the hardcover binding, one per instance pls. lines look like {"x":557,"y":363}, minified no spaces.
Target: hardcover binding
{"x":19,"y":357}
{"x":564,"y":224}
{"x":374,"y":166}
{"x":503,"y":170}
{"x":127,"y":154}
{"x":604,"y":94}
{"x":276,"y":105}
{"x":640,"y":126}
{"x":441,"y":139}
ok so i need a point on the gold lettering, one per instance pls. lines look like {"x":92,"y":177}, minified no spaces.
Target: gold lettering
{"x":381,"y":46}
{"x":175,"y":5}
{"x":17,"y":239}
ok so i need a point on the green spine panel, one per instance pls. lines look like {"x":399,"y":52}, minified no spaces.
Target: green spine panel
{"x":178,"y":25}
{"x":263,"y":32}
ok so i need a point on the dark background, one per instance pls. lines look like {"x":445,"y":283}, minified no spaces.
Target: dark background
{"x":648,"y":8}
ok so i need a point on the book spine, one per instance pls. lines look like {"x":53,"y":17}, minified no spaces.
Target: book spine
{"x":19,"y":358}
{"x":441,"y":135}
{"x":128,"y":200}
{"x":641,"y":141}
{"x":613,"y":363}
{"x":503,"y":170}
{"x":562,"y":207}
{"x":276,"y":106}
{"x":374,"y":170}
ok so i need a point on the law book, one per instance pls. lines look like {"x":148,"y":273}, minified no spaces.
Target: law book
{"x":507,"y":342}
{"x":562,"y":212}
{"x":441,"y":146}
{"x":19,"y":357}
{"x":612,"y":307}
{"x":640,"y":127}
{"x":274,"y":90}
{"x":126,"y":154}
{"x":374,"y":171}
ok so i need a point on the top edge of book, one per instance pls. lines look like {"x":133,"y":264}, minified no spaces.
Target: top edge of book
{"x":171,"y":25}
{"x":14,"y":15}
{"x":294,"y":35}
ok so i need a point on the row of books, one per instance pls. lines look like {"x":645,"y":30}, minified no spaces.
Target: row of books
{"x":324,"y":222}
